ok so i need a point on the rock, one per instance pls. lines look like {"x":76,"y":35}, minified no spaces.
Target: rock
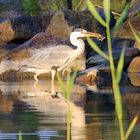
{"x":16,"y":59}
{"x":6,"y":31}
{"x":87,"y":76}
{"x":134,"y":8}
{"x":64,"y":21}
{"x":134,"y":65}
{"x":10,"y":8}
{"x":59,"y":24}
{"x":130,"y":53}
{"x":23,"y":27}
{"x":26,"y":27}
{"x":95,"y":59}
{"x":137,"y":45}
{"x":99,"y":75}
{"x":125,"y":31}
{"x":59,"y":27}
{"x":134,"y":78}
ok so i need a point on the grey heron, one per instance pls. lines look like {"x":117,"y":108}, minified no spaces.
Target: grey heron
{"x":45,"y":53}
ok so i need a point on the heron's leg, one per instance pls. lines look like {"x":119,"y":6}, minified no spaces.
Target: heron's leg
{"x":63,"y":72}
{"x":53,"y":72}
{"x":36,"y":84}
{"x":35,"y":77}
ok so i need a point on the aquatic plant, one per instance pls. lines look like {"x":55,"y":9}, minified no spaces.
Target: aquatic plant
{"x":115,"y":72}
{"x":31,"y":7}
{"x":67,"y":90}
{"x":19,"y":136}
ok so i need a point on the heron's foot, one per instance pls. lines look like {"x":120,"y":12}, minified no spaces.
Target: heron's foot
{"x":57,"y":95}
{"x":54,"y":95}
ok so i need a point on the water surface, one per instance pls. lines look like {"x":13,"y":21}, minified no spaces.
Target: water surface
{"x":28,"y":108}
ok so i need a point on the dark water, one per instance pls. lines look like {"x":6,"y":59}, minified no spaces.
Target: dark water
{"x":29,"y":109}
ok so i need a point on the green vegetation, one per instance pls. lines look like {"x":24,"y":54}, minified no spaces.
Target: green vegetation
{"x":20,"y":136}
{"x":31,"y":7}
{"x":53,"y":5}
{"x":67,"y":90}
{"x":115,"y":72}
{"x":116,"y":5}
{"x":138,"y":13}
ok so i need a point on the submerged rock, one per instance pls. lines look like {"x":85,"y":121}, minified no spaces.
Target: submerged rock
{"x":101,"y":75}
{"x":134,"y":65}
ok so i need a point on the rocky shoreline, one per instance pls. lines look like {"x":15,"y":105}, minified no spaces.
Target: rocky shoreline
{"x":93,"y":68}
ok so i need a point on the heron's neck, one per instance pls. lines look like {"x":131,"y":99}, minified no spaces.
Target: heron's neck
{"x":79,"y":43}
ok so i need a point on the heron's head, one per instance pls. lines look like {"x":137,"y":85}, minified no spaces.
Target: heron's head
{"x":81,"y":33}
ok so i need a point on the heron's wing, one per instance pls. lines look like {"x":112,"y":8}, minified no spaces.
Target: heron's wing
{"x":46,"y":58}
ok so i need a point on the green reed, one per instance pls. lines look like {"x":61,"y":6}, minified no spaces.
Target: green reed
{"x":19,"y":136}
{"x":67,"y":90}
{"x":116,"y":73}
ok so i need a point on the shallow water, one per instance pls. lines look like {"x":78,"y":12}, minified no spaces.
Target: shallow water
{"x":28,"y":108}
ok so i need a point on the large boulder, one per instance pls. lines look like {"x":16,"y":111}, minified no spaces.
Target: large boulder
{"x":26,"y":27}
{"x":59,"y":23}
{"x":22,"y":27}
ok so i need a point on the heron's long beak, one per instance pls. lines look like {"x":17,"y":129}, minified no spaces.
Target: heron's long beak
{"x":90,"y":34}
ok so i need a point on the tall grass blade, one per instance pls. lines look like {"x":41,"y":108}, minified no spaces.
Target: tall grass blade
{"x":67,"y":89}
{"x":120,"y":66}
{"x":106,"y":4}
{"x":78,"y":5}
{"x":62,"y":85}
{"x":69,"y":122}
{"x":122,"y":17}
{"x":68,"y":85}
{"x":20,"y":136}
{"x":131,"y":127}
{"x":134,"y":33}
{"x":95,"y":13}
{"x":96,"y":48}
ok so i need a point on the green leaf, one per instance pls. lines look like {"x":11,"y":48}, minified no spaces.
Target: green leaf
{"x":134,"y":33}
{"x":131,"y":127}
{"x":62,"y":85}
{"x":120,"y":66}
{"x":70,"y":82}
{"x":20,"y":136}
{"x":122,"y":17}
{"x":96,"y":48}
{"x":95,"y":13}
{"x":106,"y":4}
{"x":67,"y":88}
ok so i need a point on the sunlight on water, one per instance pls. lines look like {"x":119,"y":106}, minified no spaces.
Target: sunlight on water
{"x":29,"y":108}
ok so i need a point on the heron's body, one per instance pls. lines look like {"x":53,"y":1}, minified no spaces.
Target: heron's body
{"x":44,"y":53}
